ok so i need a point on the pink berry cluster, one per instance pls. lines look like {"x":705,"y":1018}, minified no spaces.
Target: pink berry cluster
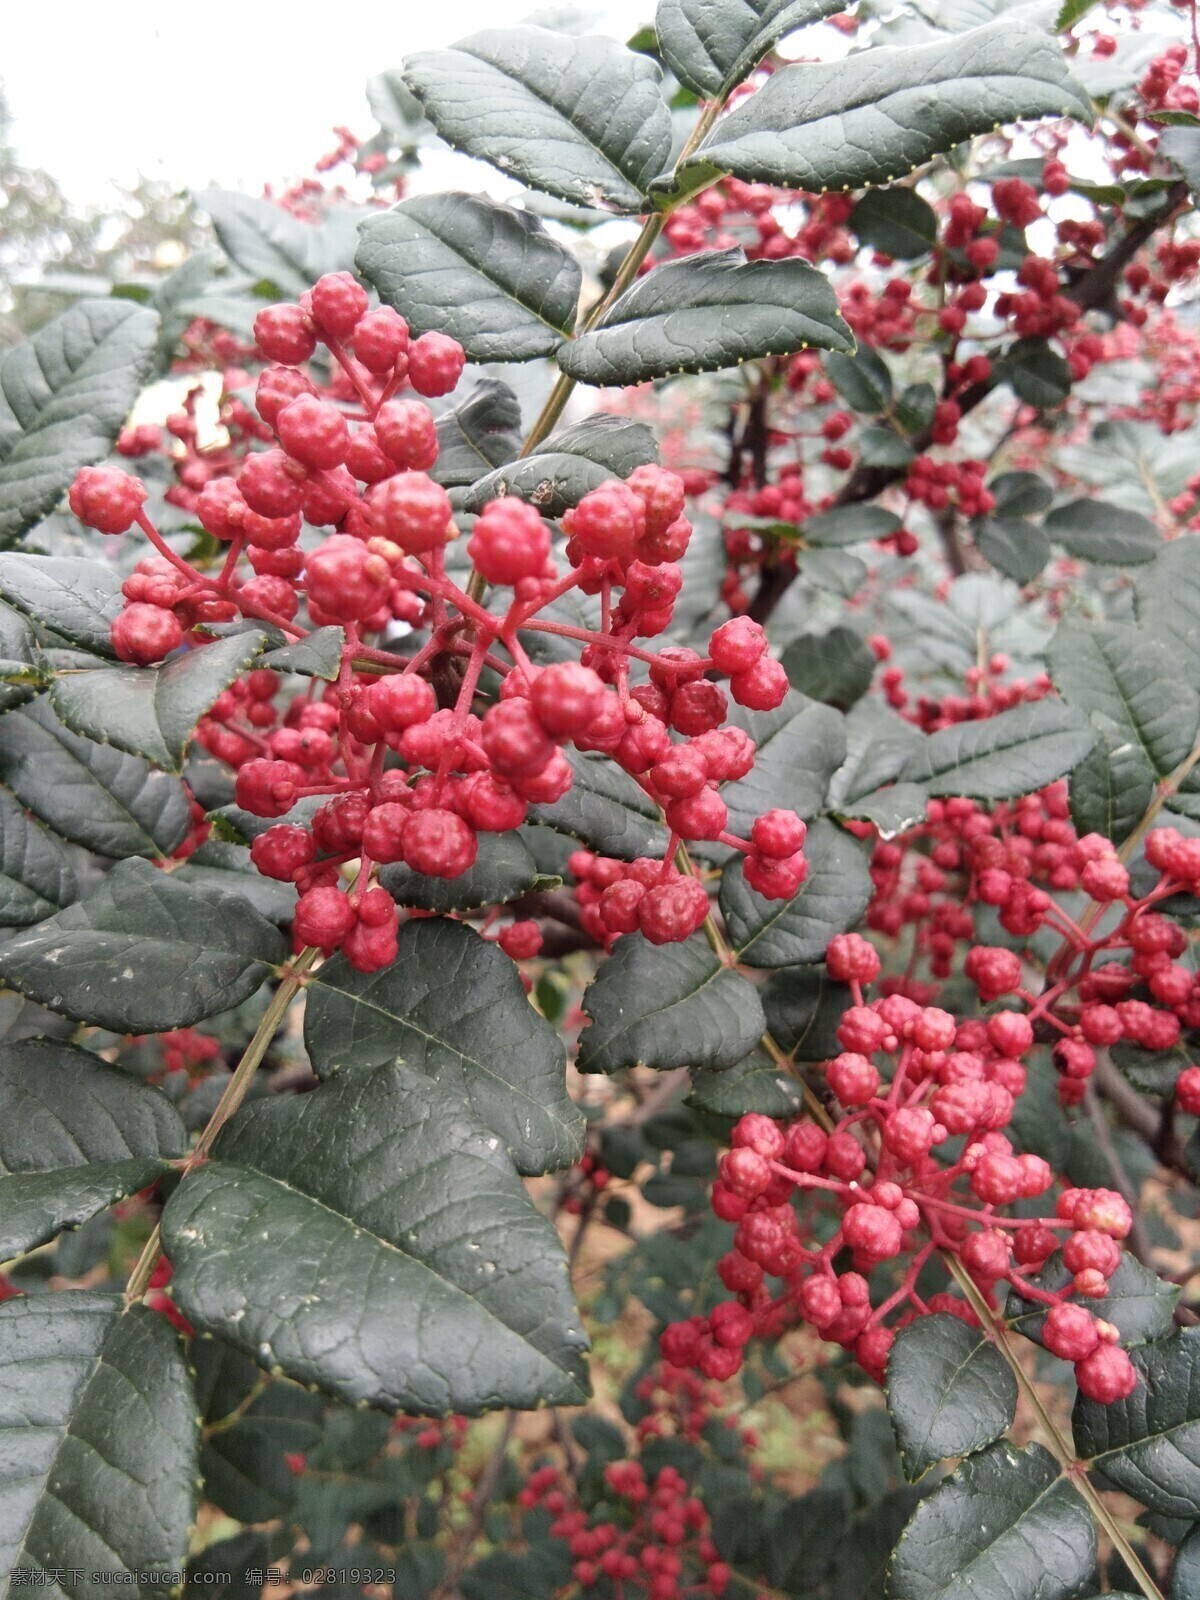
{"x":892,"y":1164}
{"x":409,"y":760}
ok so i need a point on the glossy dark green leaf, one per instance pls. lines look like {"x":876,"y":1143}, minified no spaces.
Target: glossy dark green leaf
{"x":1010,"y":754}
{"x":152,"y":712}
{"x":143,"y":953}
{"x":37,"y":877}
{"x":1185,"y":1573}
{"x":1014,"y":546}
{"x":115,"y":804}
{"x":881,"y":112}
{"x":883,"y":447}
{"x":668,"y":1005}
{"x":479,"y":434}
{"x":800,"y":746}
{"x":275,"y":246}
{"x":1149,"y":1444}
{"x":1004,"y":1526}
{"x":711,"y":45}
{"x":863,"y":379}
{"x":97,"y":1443}
{"x":1021,"y":494}
{"x":1112,"y":787}
{"x":317,"y":656}
{"x":949,"y":1392}
{"x":849,"y":525}
{"x":835,"y":668}
{"x":803,"y":1007}
{"x":896,"y":222}
{"x":606,"y":810}
{"x":373,"y":1237}
{"x":570,"y":463}
{"x":251,"y":1427}
{"x":1093,"y":530}
{"x":451,"y":1006}
{"x":879,"y":745}
{"x":1037,"y":373}
{"x":1168,"y":601}
{"x":755,"y":1084}
{"x":1133,"y":681}
{"x":78,"y":600}
{"x":704,"y":312}
{"x":480,"y":271}
{"x":503,"y":870}
{"x":1139,"y":1304}
{"x":22,"y":673}
{"x":64,"y":394}
{"x":583,"y":119}
{"x":75,"y":1135}
{"x":789,"y":933}
{"x":218,"y":864}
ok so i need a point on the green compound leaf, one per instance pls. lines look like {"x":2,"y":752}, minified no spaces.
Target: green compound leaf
{"x":1112,"y":787}
{"x":1139,"y":1304}
{"x":1149,"y":1444}
{"x":606,"y":810}
{"x":1037,"y":373}
{"x":882,"y":112}
{"x":863,"y":380}
{"x":755,"y":1084}
{"x":1168,"y":601}
{"x":78,"y":600}
{"x":487,"y":275}
{"x":835,"y":668}
{"x":1014,"y":546}
{"x":803,"y":1007}
{"x":114,"y":804}
{"x":1119,"y":673}
{"x":75,"y":1135}
{"x":37,"y":877}
{"x":799,"y":748}
{"x":583,"y":119}
{"x":570,"y":463}
{"x":670,"y":1005}
{"x":705,"y":312}
{"x":452,"y":1006}
{"x":317,"y":656}
{"x":949,"y":1392}
{"x":789,"y":933}
{"x":503,"y":870}
{"x":896,"y":221}
{"x":1004,"y":1526}
{"x":274,"y":246}
{"x":144,"y":952}
{"x":1093,"y":530}
{"x":849,"y":525}
{"x":1185,"y":1574}
{"x":1011,"y":754}
{"x":481,"y":433}
{"x":711,"y":45}
{"x":63,"y":397}
{"x":152,"y":712}
{"x":373,"y":1238}
{"x":98,"y":1457}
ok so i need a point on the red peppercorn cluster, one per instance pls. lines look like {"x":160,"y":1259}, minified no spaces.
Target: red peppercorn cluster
{"x":403,"y":779}
{"x":891,"y":1165}
{"x":647,"y":1537}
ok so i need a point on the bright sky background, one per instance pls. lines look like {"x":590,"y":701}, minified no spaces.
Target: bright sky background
{"x":237,"y":95}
